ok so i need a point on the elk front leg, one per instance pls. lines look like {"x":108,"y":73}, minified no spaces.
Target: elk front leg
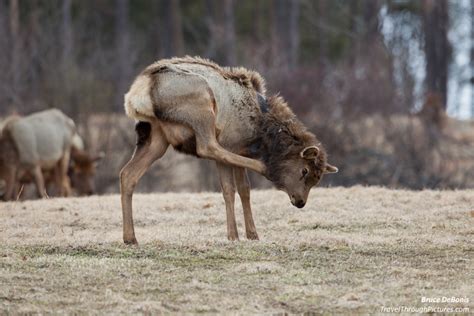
{"x":228,"y":190}
{"x":243,"y":187}
{"x":39,"y":182}
{"x":151,"y":145}
{"x":63,"y":182}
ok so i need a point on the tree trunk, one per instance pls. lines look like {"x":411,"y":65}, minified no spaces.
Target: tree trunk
{"x":67,"y":40}
{"x":229,"y":33}
{"x":294,"y":33}
{"x":258,"y":21}
{"x":211,"y":50}
{"x":221,"y":25}
{"x":437,"y":48}
{"x":122,"y":42}
{"x":371,"y":22}
{"x":172,"y":33}
{"x":176,"y":28}
{"x":322,"y":38}
{"x":15,"y":51}
{"x":472,"y":60}
{"x":285,"y":33}
{"x":278,"y":34}
{"x":355,"y":31}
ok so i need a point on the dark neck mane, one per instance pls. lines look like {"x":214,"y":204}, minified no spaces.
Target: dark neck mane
{"x":281,"y":136}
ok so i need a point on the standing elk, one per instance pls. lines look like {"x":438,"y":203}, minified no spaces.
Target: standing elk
{"x":38,"y":148}
{"x":222,"y":114}
{"x":81,"y":172}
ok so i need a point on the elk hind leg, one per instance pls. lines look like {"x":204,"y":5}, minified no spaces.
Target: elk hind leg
{"x":151,"y":145}
{"x":208,"y":147}
{"x":198,"y":112}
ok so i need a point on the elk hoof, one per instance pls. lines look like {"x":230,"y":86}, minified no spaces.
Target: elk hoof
{"x":252,"y":235}
{"x":233,"y":238}
{"x":130,"y":241}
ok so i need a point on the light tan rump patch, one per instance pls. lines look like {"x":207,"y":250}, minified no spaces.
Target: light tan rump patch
{"x":138,"y":104}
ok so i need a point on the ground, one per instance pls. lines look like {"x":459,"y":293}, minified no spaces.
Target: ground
{"x":350,"y":250}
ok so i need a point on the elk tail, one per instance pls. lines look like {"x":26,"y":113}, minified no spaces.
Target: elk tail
{"x":138,"y":104}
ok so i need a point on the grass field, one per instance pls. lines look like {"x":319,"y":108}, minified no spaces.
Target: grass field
{"x":349,"y":250}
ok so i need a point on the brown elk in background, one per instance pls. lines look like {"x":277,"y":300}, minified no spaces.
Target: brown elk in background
{"x":41,"y":141}
{"x":38,"y":148}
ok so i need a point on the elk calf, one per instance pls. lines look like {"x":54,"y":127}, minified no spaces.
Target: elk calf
{"x":202,"y":109}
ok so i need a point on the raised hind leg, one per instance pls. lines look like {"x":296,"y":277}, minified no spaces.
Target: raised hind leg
{"x":243,"y":187}
{"x":208,"y":147}
{"x":151,"y":145}
{"x":226,"y":178}
{"x":194,"y":105}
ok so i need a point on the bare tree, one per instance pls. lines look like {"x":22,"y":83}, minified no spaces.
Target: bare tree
{"x":258,"y":21}
{"x":437,"y":48}
{"x":229,"y":33}
{"x":285,"y":32}
{"x":122,"y":42}
{"x":210,"y":23}
{"x":371,"y":21}
{"x":221,"y":26}
{"x":322,"y":38}
{"x":67,"y":40}
{"x":354,"y":30}
{"x":294,"y":32}
{"x":472,"y":59}
{"x":15,"y":36}
{"x":172,"y":32}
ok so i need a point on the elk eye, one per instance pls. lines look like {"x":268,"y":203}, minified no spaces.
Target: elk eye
{"x":304,"y":172}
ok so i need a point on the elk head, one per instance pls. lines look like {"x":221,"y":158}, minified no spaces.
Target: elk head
{"x":301,"y":171}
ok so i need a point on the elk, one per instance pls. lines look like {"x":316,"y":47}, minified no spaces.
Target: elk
{"x":82,"y":170}
{"x":35,"y":145}
{"x":222,"y":114}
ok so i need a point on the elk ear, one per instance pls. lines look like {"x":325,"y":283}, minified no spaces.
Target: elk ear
{"x":310,"y":153}
{"x":100,"y":156}
{"x":330,"y":169}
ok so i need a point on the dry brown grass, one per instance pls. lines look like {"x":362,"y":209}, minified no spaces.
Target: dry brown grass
{"x":349,"y":250}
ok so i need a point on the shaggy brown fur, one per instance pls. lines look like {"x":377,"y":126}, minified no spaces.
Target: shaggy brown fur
{"x":243,"y":76}
{"x":281,"y":137}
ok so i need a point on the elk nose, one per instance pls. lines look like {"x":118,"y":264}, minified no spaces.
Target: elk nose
{"x":300,"y":204}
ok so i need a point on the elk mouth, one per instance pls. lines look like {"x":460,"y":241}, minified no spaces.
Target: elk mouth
{"x":299,"y":203}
